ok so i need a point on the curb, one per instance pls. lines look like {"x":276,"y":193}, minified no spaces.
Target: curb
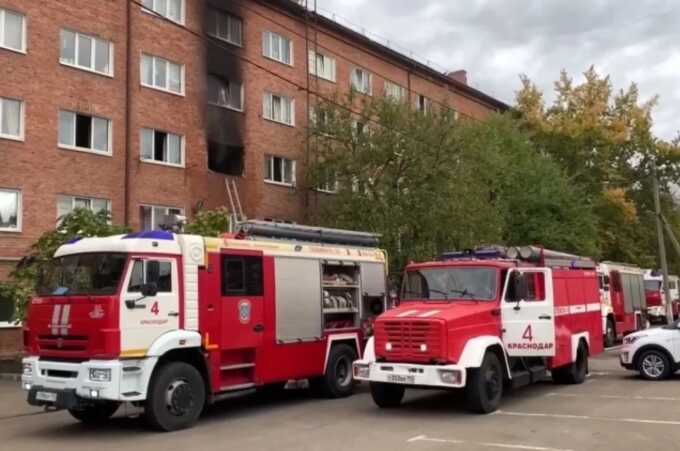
{"x":12,"y":377}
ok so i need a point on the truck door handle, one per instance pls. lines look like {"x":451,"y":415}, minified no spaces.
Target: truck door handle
{"x":258,"y":328}
{"x":173,"y":314}
{"x":545,"y":317}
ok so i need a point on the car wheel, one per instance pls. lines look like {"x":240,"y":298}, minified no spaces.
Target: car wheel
{"x":484,"y":389}
{"x":610,"y":334}
{"x":387,"y":395}
{"x":654,"y":365}
{"x":338,"y":381}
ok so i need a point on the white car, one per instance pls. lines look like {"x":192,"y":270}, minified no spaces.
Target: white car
{"x":654,"y":353}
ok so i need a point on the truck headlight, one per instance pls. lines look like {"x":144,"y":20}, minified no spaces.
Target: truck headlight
{"x":100,"y":374}
{"x":452,"y":377}
{"x":361,"y":370}
{"x":28,"y":369}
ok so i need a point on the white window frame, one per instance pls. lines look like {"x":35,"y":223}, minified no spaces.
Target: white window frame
{"x":92,"y":53}
{"x":155,"y":13}
{"x":165,"y":89}
{"x":182,"y":152}
{"x":324,"y":188}
{"x":108,"y":153}
{"x":352,"y":80}
{"x":327,"y":60}
{"x":216,"y":14}
{"x":394,"y":86}
{"x":20,"y":211}
{"x":229,"y":107}
{"x":268,"y":97}
{"x":89,"y":198}
{"x":427,"y":105}
{"x":269,"y":159}
{"x":153,"y":212}
{"x":24,"y":38}
{"x":267,"y":35}
{"x":22,"y":119}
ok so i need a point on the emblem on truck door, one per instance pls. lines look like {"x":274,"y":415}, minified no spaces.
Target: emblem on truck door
{"x":244,"y":311}
{"x":97,"y":312}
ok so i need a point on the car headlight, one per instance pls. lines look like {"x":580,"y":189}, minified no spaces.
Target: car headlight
{"x":629,"y":340}
{"x":452,"y":377}
{"x":100,"y":374}
{"x":28,"y":369}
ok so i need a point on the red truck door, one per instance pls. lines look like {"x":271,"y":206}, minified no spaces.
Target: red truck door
{"x":528,"y":313}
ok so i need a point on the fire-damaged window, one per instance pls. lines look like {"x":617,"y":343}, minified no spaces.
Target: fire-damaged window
{"x":151,"y":271}
{"x":225,"y":93}
{"x":241,"y":276}
{"x":225,"y":27}
{"x":225,"y":159}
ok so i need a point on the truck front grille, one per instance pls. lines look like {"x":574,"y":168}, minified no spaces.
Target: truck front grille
{"x":74,"y":343}
{"x":410,"y":341}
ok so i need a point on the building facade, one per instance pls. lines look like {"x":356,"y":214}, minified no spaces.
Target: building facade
{"x":144,"y":107}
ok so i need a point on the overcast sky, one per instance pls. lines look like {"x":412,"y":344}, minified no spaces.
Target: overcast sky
{"x":496,"y":40}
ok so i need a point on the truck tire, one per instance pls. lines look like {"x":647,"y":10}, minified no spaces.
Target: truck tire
{"x":653,"y":365}
{"x":337,"y":382}
{"x":98,"y":413}
{"x":387,"y":395}
{"x":610,"y":334}
{"x":574,"y":373}
{"x":176,"y":397}
{"x":484,"y":388}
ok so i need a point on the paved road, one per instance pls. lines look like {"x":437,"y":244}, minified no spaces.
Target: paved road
{"x":613,"y":410}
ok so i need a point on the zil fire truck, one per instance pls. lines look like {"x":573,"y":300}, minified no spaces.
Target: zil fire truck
{"x":170,"y":322}
{"x":656,"y":296}
{"x":484,"y":320}
{"x":623,"y":300}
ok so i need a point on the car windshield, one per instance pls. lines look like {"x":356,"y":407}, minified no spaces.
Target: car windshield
{"x":652,"y":285}
{"x":82,"y":274}
{"x":450,"y":283}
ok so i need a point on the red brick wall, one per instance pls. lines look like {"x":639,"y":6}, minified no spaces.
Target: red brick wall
{"x":10,"y":343}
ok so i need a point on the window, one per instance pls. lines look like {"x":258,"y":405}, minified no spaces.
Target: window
{"x":328,"y":182}
{"x":170,"y":9}
{"x":11,"y":119}
{"x":12,"y":30}
{"x":322,"y":66}
{"x":66,"y":204}
{"x":224,"y":93}
{"x":162,"y":74}
{"x":277,"y":47}
{"x":526,"y":286}
{"x":8,"y":307}
{"x":86,"y":52}
{"x":225,"y":27}
{"x":225,"y":158}
{"x":161,"y":147}
{"x":279,"y":108}
{"x":155,"y":217}
{"x":361,"y":81}
{"x":80,"y":132}
{"x":439,"y":284}
{"x":423,"y":104}
{"x":10,"y":210}
{"x":241,"y":276}
{"x":279,"y":170}
{"x":394,"y":91}
{"x":151,"y":271}
{"x":93,"y":274}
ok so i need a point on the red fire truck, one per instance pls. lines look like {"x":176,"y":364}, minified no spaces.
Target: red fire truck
{"x":655,"y":294}
{"x":170,"y":322}
{"x":622,"y":293}
{"x":483,"y":320}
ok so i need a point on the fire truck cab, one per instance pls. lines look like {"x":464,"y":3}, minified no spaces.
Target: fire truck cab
{"x":483,"y":320}
{"x":170,"y":322}
{"x":655,"y":294}
{"x":623,"y":300}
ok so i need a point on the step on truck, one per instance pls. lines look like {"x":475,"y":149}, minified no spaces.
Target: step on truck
{"x":622,"y":294}
{"x":170,"y":322}
{"x":485,"y":320}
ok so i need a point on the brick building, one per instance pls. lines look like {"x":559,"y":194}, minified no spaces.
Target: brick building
{"x":105,"y":104}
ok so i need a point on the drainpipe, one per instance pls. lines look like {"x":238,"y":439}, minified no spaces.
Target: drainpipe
{"x":128,"y":134}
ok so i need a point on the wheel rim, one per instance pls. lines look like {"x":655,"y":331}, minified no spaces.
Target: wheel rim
{"x":179,"y":398}
{"x":492,"y":383}
{"x":653,"y":365}
{"x":610,"y":333}
{"x":343,"y":373}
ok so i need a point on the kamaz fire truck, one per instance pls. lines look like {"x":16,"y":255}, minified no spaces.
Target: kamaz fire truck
{"x":655,"y":294}
{"x":170,"y":322}
{"x":623,"y":300}
{"x":484,"y":320}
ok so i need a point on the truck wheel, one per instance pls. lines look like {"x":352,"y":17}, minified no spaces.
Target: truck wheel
{"x":95,"y":414}
{"x":574,"y":373}
{"x":484,"y":387}
{"x":610,"y":334}
{"x":176,"y":397}
{"x":387,"y":395}
{"x":653,"y":365}
{"x":337,"y":382}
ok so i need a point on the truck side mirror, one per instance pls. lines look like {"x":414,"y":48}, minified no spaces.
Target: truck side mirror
{"x":517,"y":289}
{"x":149,"y":289}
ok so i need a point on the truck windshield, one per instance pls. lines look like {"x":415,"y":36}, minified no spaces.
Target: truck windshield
{"x":82,"y":274}
{"x":652,"y":285}
{"x":450,"y":283}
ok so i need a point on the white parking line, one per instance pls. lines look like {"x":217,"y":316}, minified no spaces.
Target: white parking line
{"x":588,"y":418}
{"x":623,"y":397}
{"x":424,"y":438}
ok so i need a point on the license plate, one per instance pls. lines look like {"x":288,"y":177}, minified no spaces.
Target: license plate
{"x":46,"y":396}
{"x":401,"y":379}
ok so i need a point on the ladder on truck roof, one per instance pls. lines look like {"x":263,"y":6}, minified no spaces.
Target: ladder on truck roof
{"x":295,"y":232}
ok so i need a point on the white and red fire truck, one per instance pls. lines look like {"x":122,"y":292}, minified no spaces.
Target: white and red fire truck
{"x":655,"y":295}
{"x":171,"y":322}
{"x":623,"y":300}
{"x":484,"y":320}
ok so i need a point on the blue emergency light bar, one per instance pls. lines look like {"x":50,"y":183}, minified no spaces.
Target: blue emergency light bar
{"x":482,"y":253}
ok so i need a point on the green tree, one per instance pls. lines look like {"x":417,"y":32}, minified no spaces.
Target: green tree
{"x":209,"y":222}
